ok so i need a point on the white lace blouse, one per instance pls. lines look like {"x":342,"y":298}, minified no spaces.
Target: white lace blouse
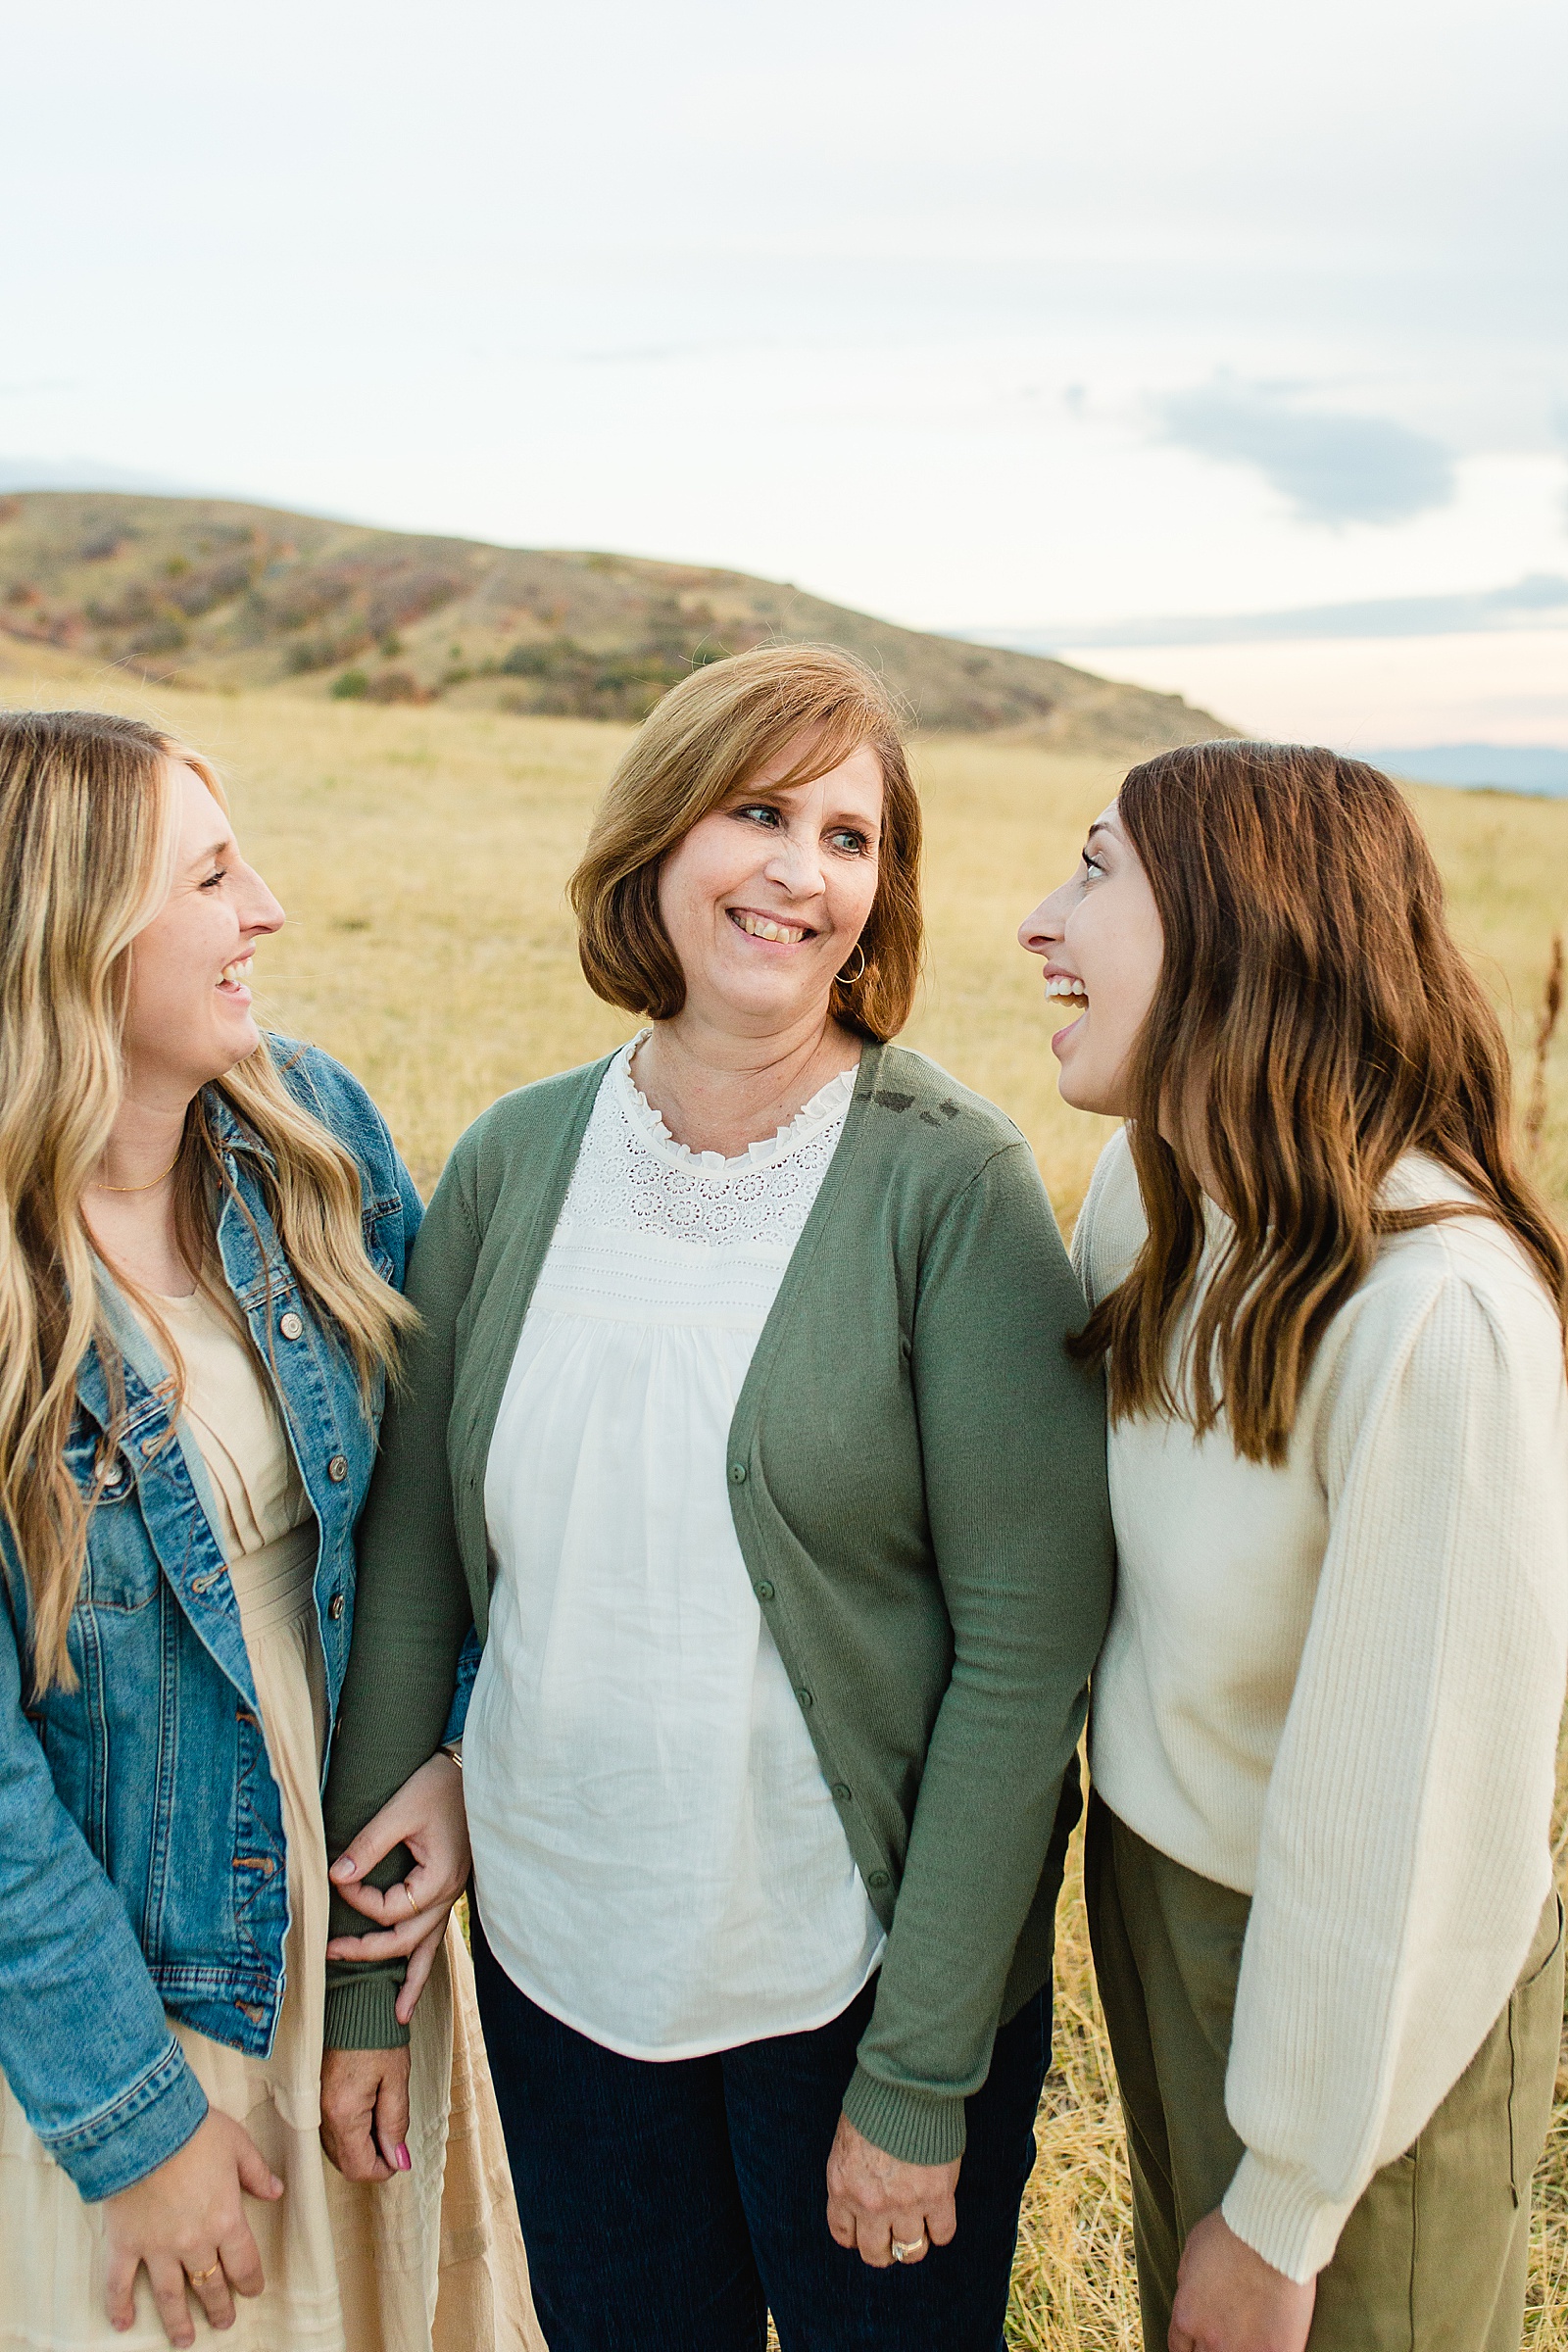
{"x":658,"y":1857}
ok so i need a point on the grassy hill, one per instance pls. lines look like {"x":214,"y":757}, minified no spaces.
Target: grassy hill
{"x":203,"y":592}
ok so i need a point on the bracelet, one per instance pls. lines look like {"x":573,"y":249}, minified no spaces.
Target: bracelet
{"x":454,"y":1749}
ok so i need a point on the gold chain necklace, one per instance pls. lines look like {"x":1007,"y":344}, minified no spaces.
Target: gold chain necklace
{"x":139,"y":1187}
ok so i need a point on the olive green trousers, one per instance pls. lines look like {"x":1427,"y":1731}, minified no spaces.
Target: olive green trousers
{"x":1433,"y":2255}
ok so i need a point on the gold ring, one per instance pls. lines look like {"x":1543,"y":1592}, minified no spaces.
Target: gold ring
{"x":414,"y":1908}
{"x":197,"y":2278}
{"x":902,"y":2252}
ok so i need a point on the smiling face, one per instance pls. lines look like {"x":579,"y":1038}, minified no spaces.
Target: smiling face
{"x":189,"y":1016}
{"x":765,"y":897}
{"x":1103,"y":946}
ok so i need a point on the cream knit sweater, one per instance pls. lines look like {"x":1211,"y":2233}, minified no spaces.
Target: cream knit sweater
{"x":1336,"y":1687}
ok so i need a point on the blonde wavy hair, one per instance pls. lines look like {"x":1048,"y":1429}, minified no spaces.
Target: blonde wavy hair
{"x":89,"y":819}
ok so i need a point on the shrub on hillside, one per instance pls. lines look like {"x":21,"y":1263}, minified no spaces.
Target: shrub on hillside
{"x":570,"y":681}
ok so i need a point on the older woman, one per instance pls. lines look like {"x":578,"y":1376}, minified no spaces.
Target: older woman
{"x":742,"y":1426}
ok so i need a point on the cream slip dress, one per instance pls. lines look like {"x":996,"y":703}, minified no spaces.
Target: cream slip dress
{"x":430,"y":2261}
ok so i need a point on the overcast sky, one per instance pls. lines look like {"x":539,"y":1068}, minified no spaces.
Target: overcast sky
{"x":1004,"y":315}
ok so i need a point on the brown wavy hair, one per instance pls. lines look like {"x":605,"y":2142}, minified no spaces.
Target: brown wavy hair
{"x":87,"y":832}
{"x":707,"y":738}
{"x":1313,"y":1003}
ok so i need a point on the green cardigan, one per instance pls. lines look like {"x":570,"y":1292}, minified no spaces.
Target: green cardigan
{"x":918,"y":1480}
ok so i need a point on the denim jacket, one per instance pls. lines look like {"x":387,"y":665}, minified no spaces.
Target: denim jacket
{"x":142,"y":1873}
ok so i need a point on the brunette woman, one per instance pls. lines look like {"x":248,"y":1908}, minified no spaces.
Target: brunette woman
{"x":742,"y":1419}
{"x":203,"y":1233}
{"x":1324,"y":1727}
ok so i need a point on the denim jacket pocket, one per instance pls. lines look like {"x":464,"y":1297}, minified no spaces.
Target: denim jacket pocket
{"x":121,"y":1570}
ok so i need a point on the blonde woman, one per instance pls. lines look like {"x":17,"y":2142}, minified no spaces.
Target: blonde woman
{"x":202,"y":1242}
{"x":1330,"y":1305}
{"x":742,"y":1418}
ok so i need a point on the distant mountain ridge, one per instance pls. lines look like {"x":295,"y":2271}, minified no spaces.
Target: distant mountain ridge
{"x":211,"y":592}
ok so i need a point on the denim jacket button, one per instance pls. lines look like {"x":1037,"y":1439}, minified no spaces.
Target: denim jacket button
{"x":291,"y":1325}
{"x":337,"y":1469}
{"x":334,"y":1607}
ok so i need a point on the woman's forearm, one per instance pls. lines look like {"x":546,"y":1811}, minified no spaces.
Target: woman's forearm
{"x":412,"y":1609}
{"x":1012,"y":1439}
{"x":1404,"y":1857}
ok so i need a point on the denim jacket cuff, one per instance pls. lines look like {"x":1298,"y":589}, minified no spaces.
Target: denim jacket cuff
{"x":122,"y":2144}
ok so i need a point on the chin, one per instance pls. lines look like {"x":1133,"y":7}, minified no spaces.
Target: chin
{"x":240,"y":1042}
{"x":1080,"y":1093}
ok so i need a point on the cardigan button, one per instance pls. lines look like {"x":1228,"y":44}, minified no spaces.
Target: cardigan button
{"x":291,"y":1325}
{"x":763,"y":1591}
{"x":737,"y":1473}
{"x":841,"y":1793}
{"x":879,"y":1879}
{"x":805,"y":1697}
{"x":337,"y":1469}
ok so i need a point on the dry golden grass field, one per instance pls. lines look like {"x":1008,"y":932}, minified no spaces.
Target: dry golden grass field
{"x":422,"y":854}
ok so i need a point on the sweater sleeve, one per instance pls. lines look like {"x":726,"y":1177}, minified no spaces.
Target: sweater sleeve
{"x":1405,"y":1857}
{"x":1013,"y":1439}
{"x":411,"y":1610}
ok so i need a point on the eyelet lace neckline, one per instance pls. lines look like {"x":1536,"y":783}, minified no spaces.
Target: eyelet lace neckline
{"x":826,"y":1107}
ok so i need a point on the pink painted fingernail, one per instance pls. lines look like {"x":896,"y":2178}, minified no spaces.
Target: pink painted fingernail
{"x":405,"y":2160}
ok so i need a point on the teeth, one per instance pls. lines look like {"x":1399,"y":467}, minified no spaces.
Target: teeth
{"x":1073,"y":989}
{"x":238,"y":972}
{"x":757,"y":926}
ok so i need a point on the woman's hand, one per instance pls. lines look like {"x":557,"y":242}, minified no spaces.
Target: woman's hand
{"x":426,"y":1816}
{"x":184,"y":2224}
{"x":1229,"y":2299}
{"x":875,"y":2202}
{"x":365,"y":2112}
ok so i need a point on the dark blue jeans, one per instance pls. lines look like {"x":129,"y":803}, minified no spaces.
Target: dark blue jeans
{"x":669,"y":2208}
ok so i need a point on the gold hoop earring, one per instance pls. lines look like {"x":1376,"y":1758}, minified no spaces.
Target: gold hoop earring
{"x":848,"y":979}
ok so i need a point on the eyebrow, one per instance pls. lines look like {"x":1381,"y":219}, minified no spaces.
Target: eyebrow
{"x":213,"y":848}
{"x":1099,"y":826}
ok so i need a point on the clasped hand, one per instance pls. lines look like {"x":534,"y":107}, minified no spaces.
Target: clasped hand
{"x":1229,"y":2299}
{"x":874,"y":2201}
{"x":364,"y":2093}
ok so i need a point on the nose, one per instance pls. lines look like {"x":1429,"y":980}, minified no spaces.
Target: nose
{"x":260,"y":913}
{"x":1040,"y":931}
{"x":795,"y":864}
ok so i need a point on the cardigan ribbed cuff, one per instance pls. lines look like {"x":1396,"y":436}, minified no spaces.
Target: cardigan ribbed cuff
{"x":362,"y":2014}
{"x":1275,"y":2209}
{"x":917,"y":2127}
